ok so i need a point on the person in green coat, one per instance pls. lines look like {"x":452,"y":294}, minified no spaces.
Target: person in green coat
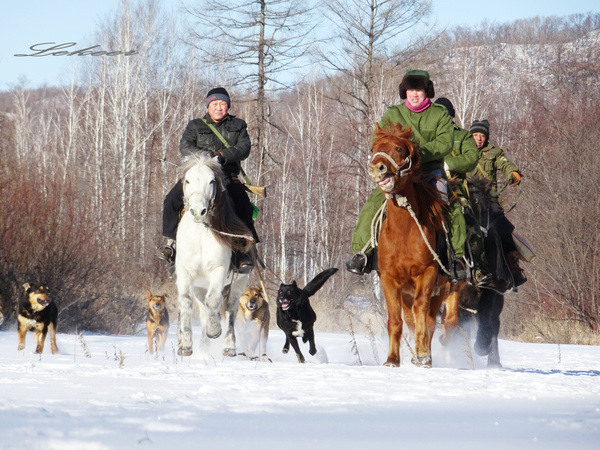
{"x":492,"y":160}
{"x":462,"y":160}
{"x":434,"y":135}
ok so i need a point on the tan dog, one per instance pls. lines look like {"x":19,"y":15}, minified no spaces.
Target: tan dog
{"x":39,"y":313}
{"x":157,"y":323}
{"x":252,"y":322}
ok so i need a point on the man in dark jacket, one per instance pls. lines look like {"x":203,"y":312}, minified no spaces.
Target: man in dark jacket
{"x":491,"y":160}
{"x":199,"y":137}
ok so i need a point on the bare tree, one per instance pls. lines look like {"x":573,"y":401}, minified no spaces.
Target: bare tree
{"x":253,"y":43}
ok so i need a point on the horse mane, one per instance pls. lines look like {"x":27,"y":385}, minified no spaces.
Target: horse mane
{"x":479,"y":193}
{"x":392,"y":137}
{"x":225,"y":224}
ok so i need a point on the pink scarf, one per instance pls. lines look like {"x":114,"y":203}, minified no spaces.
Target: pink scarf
{"x":419,"y":108}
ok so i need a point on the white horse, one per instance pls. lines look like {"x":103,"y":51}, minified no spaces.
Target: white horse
{"x":207,"y":233}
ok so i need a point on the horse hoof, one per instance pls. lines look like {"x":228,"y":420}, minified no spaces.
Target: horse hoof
{"x":481,"y":349}
{"x":494,"y":364}
{"x":421,"y":361}
{"x":229,"y":352}
{"x":184,"y":352}
{"x":214,"y":335}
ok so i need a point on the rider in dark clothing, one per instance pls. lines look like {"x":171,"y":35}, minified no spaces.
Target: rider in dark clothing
{"x":198,"y":137}
{"x":492,"y":160}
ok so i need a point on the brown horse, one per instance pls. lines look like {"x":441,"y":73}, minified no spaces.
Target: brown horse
{"x":408,"y":266}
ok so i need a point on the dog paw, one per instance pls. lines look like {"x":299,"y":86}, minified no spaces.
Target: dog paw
{"x":21,"y":347}
{"x":312,"y":351}
{"x":285,"y":350}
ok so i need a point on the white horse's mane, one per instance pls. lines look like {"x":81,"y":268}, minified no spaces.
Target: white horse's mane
{"x":201,"y":158}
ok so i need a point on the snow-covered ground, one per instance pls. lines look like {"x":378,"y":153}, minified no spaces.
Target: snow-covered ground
{"x":120,"y":397}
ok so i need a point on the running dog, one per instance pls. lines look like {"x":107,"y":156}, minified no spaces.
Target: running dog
{"x":37,"y":313}
{"x":252,"y":321}
{"x":295,"y":316}
{"x":157,"y":323}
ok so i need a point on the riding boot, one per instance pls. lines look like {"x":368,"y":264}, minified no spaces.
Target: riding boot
{"x":243,"y":262}
{"x":513,"y":262}
{"x":459,"y":268}
{"x":361,"y":263}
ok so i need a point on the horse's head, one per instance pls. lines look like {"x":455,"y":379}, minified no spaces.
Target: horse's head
{"x":394,"y":157}
{"x":479,"y":195}
{"x":201,"y":178}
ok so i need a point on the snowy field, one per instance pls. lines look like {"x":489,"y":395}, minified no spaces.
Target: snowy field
{"x":120,"y":397}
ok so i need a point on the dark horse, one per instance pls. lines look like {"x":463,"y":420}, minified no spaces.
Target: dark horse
{"x":488,"y":301}
{"x":408,"y":269}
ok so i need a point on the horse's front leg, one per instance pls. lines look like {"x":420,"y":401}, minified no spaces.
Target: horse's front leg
{"x":421,"y":307}
{"x":229,"y":342}
{"x":450,"y":322}
{"x":184,"y":332}
{"x":214,"y":302}
{"x":394,"y":308}
{"x":231,"y":307}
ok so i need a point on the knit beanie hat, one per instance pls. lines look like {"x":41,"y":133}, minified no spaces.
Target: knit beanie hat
{"x":481,"y":126}
{"x":416,"y":79}
{"x":218,"y":93}
{"x":448,"y":104}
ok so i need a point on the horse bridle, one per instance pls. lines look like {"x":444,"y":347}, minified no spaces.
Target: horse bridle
{"x":400,"y":172}
{"x":211,"y":203}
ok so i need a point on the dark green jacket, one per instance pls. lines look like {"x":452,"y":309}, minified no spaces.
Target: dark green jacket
{"x":491,"y":160}
{"x":435,"y":127}
{"x":199,"y":137}
{"x":463,"y":158}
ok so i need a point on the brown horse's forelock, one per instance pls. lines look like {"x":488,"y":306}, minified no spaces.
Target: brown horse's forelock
{"x":226,"y":225}
{"x":391,"y":140}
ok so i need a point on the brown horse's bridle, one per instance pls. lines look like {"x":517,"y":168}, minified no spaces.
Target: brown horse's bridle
{"x":400,"y":172}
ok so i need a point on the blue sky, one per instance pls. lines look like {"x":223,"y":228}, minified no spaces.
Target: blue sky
{"x":30,"y":22}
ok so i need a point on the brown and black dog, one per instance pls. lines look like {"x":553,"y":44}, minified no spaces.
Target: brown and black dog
{"x":39,"y":313}
{"x":157,"y":323}
{"x":252,"y":322}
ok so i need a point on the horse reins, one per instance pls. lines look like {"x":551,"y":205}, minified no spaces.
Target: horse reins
{"x":399,"y":171}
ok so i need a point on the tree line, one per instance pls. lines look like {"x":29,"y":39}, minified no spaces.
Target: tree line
{"x":87,"y":165}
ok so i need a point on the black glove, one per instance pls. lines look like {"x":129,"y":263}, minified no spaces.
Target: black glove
{"x":218,"y":156}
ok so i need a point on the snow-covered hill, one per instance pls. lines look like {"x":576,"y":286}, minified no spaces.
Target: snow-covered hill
{"x":119,"y":397}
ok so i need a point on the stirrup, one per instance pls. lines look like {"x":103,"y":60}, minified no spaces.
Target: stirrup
{"x":359,"y":264}
{"x":166,"y":253}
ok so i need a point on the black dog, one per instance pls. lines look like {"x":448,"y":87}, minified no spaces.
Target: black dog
{"x":39,"y":313}
{"x":295,"y":316}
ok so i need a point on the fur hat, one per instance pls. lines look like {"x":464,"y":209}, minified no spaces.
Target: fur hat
{"x":416,"y":79}
{"x":481,"y":126}
{"x":448,"y":104}
{"x":218,"y":93}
